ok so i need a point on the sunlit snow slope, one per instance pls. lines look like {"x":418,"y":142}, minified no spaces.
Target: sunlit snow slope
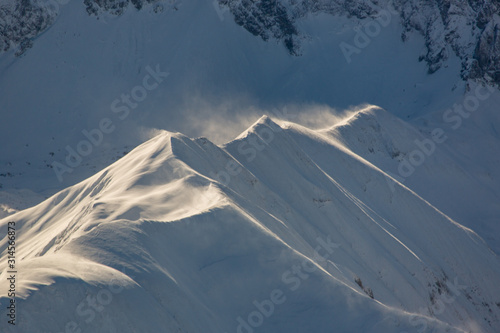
{"x":281,"y":230}
{"x":221,"y":78}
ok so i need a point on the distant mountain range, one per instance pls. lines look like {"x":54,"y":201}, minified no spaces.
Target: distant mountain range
{"x":469,"y":30}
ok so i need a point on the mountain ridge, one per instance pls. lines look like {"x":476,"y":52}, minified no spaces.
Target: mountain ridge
{"x":185,"y":238}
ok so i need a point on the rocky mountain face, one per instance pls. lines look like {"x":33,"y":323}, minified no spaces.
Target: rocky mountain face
{"x":487,"y":51}
{"x":268,"y":18}
{"x":468,"y":29}
{"x":21,"y":22}
{"x":95,"y":7}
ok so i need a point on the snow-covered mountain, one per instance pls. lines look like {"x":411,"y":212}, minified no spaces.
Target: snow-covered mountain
{"x":333,"y":214}
{"x":85,"y":58}
{"x":468,"y":29}
{"x":280,"y":230}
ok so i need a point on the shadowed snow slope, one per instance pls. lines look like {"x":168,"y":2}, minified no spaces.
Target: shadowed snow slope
{"x":431,"y":166}
{"x":281,"y":230}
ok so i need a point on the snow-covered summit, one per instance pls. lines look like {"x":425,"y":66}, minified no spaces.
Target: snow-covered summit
{"x":281,"y":230}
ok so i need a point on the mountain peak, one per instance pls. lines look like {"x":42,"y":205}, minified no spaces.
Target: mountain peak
{"x":186,"y":220}
{"x":263,"y":123}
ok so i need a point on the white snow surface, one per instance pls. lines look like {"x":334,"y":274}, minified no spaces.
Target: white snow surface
{"x":221,"y":79}
{"x":182,"y":235}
